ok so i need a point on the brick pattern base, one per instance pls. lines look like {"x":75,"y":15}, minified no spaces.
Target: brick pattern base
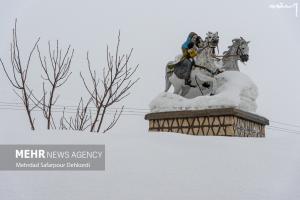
{"x":217,"y":125}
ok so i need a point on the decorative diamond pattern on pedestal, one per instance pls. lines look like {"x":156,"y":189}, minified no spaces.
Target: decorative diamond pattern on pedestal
{"x":220,"y":122}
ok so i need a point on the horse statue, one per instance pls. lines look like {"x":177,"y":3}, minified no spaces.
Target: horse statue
{"x":203,"y":69}
{"x":239,"y":50}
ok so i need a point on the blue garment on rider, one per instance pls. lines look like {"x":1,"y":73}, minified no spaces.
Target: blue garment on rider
{"x":185,"y":45}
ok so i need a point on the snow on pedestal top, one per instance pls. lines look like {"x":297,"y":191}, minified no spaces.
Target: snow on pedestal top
{"x":235,"y":90}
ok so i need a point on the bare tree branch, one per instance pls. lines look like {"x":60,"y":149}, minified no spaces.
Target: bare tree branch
{"x":114,"y":86}
{"x":56,"y":75}
{"x":116,"y":117}
{"x":81,"y":120}
{"x":18,"y":76}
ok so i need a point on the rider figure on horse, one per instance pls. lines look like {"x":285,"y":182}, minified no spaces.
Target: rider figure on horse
{"x":189,"y":51}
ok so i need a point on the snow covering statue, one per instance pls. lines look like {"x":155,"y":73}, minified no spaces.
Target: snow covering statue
{"x":215,"y":81}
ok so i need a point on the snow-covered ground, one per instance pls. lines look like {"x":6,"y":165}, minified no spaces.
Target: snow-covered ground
{"x":165,"y":166}
{"x":235,"y":89}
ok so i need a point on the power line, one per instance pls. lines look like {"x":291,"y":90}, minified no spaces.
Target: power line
{"x":283,"y":129}
{"x":143,"y":110}
{"x":71,"y":112}
{"x":286,"y":124}
{"x":72,"y":109}
{"x":7,"y":107}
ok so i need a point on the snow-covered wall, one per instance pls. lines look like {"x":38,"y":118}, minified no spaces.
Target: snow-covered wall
{"x":235,"y":89}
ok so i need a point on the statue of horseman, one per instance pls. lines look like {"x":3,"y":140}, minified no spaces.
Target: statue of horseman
{"x":196,"y":54}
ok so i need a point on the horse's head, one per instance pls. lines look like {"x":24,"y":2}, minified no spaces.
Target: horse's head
{"x":212,"y":39}
{"x":241,"y":48}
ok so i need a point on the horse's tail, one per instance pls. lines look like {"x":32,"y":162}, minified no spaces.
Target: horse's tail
{"x":167,"y":76}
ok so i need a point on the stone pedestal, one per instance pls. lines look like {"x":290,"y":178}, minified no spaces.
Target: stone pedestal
{"x":212,"y":122}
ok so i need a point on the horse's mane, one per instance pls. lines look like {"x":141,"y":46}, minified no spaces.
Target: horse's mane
{"x":235,"y":42}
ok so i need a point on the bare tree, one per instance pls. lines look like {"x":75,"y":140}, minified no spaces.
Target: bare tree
{"x":18,"y":78}
{"x":114,"y":86}
{"x":56,"y":75}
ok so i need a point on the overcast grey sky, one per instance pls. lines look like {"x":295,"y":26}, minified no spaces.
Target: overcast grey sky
{"x":156,"y":30}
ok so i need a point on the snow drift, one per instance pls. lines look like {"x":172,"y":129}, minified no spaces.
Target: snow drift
{"x":143,"y":166}
{"x":235,"y":89}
